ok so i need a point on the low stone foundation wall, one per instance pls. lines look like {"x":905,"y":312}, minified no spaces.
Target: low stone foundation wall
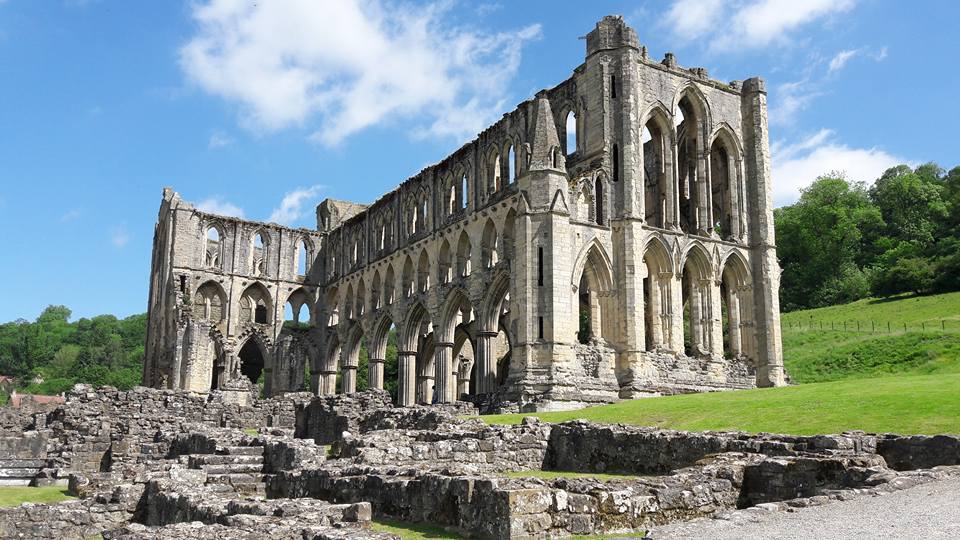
{"x":919,"y":451}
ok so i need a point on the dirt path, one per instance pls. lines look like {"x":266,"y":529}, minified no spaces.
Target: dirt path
{"x":930,"y":510}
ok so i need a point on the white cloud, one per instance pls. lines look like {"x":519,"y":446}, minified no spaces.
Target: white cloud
{"x":70,"y":215}
{"x":291,"y":207}
{"x":841,"y":59}
{"x":215,"y":205}
{"x":691,"y":18}
{"x":219,"y":140}
{"x":119,"y":237}
{"x":880,"y":55}
{"x":797,"y":165}
{"x":730,"y":24}
{"x":350,"y":65}
{"x":790,"y":99}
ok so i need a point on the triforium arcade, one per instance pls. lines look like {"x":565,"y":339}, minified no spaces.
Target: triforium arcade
{"x":610,"y":238}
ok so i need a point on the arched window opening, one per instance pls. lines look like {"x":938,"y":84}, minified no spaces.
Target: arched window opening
{"x":509,"y":225}
{"x":693,"y":216}
{"x":212,"y":255}
{"x":598,"y":197}
{"x":594,"y":314}
{"x":697,"y":306}
{"x":656,"y":290}
{"x":613,"y":86}
{"x":451,"y":199}
{"x":512,"y":164}
{"x":445,"y":263}
{"x":333,"y":305}
{"x":494,"y":172}
{"x":423,"y":272}
{"x":463,"y":255}
{"x":389,"y":286}
{"x":383,"y":237}
{"x":376,"y":292}
{"x":303,"y":258}
{"x":488,"y":246}
{"x":735,"y":294}
{"x":258,"y":255}
{"x":584,"y":311}
{"x":251,"y":363}
{"x":255,"y":305}
{"x":408,"y":279}
{"x":464,"y":192}
{"x":571,"y":126}
{"x":422,"y":221}
{"x":209,"y":302}
{"x":657,"y":171}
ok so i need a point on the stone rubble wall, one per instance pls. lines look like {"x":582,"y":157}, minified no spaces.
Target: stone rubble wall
{"x":919,"y":451}
{"x":325,"y":418}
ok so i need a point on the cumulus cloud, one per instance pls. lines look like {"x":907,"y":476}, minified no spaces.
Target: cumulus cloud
{"x":796,"y":165}
{"x":729,"y":24}
{"x":291,"y":208}
{"x":351,"y":64}
{"x":216,"y":205}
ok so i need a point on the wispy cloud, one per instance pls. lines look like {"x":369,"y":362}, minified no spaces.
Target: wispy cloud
{"x":119,"y":237}
{"x":219,"y":140}
{"x":291,"y":208}
{"x":216,"y":205}
{"x":728,"y":24}
{"x":70,"y":215}
{"x":797,"y":164}
{"x":352,"y":65}
{"x":841,"y":58}
{"x":788,"y":100}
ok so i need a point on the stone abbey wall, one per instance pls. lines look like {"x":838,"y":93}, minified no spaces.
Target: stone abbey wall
{"x":610,"y":238}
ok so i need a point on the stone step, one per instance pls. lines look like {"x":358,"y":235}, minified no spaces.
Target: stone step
{"x":197,"y":460}
{"x":235,"y":478}
{"x":22,"y":463}
{"x":233,"y":468}
{"x":20,"y":472}
{"x":244,"y":450}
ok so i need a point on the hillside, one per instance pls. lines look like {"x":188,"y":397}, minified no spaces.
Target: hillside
{"x":908,"y":404}
{"x":873,"y":337}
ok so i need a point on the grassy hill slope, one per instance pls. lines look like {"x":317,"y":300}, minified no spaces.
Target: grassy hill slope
{"x":919,"y":335}
{"x":908,"y":404}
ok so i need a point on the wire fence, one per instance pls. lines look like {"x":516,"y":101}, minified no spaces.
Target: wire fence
{"x":872,"y":326}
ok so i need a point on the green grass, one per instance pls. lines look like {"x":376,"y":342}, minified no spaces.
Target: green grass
{"x":413,"y":531}
{"x":908,"y":404}
{"x":253,"y":432}
{"x":552,"y":475}
{"x":929,"y":345}
{"x":14,"y":495}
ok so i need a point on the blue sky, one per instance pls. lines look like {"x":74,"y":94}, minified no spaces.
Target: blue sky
{"x":265,"y":108}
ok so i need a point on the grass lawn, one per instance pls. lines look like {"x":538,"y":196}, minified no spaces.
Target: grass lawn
{"x":929,"y":345}
{"x":908,"y":404}
{"x":413,"y":531}
{"x":551,"y":475}
{"x":14,"y":495}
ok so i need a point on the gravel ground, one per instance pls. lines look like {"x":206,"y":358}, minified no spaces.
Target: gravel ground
{"x":930,"y":510}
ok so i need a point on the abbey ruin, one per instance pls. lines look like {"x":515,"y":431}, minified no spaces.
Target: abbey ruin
{"x":610,"y":238}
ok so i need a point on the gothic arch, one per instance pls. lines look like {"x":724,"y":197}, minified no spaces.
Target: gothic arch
{"x":256,"y":304}
{"x":456,"y":301}
{"x":594,"y":250}
{"x":210,"y":302}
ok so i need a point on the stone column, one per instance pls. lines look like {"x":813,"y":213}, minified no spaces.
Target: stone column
{"x":463,"y":380}
{"x":655,"y":309}
{"x":713,"y":317}
{"x":348,"y":379}
{"x":766,"y":268}
{"x":446,"y":385}
{"x":375,"y":373}
{"x":733,"y":320}
{"x":675,"y":313}
{"x":406,"y":385}
{"x":486,"y":368}
{"x":328,"y":382}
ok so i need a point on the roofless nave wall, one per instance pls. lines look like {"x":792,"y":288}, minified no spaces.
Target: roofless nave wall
{"x":612,"y":237}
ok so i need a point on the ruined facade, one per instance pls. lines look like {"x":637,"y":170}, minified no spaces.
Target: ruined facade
{"x":612,"y":237}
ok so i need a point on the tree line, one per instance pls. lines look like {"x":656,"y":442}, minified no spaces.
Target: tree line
{"x":842,"y":241}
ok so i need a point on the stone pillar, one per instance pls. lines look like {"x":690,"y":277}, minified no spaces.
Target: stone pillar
{"x":766,"y":268}
{"x":446,"y":385}
{"x":675,"y":313}
{"x":328,"y":383}
{"x":733,"y":320}
{"x":375,"y":373}
{"x":348,"y":380}
{"x":463,"y":380}
{"x":407,"y":375}
{"x":713,"y":317}
{"x":486,"y":368}
{"x":655,"y":309}
{"x":696,"y":317}
{"x":675,"y":187}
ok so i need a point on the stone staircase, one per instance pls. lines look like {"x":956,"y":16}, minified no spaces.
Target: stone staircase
{"x":20,"y":472}
{"x":240,"y":467}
